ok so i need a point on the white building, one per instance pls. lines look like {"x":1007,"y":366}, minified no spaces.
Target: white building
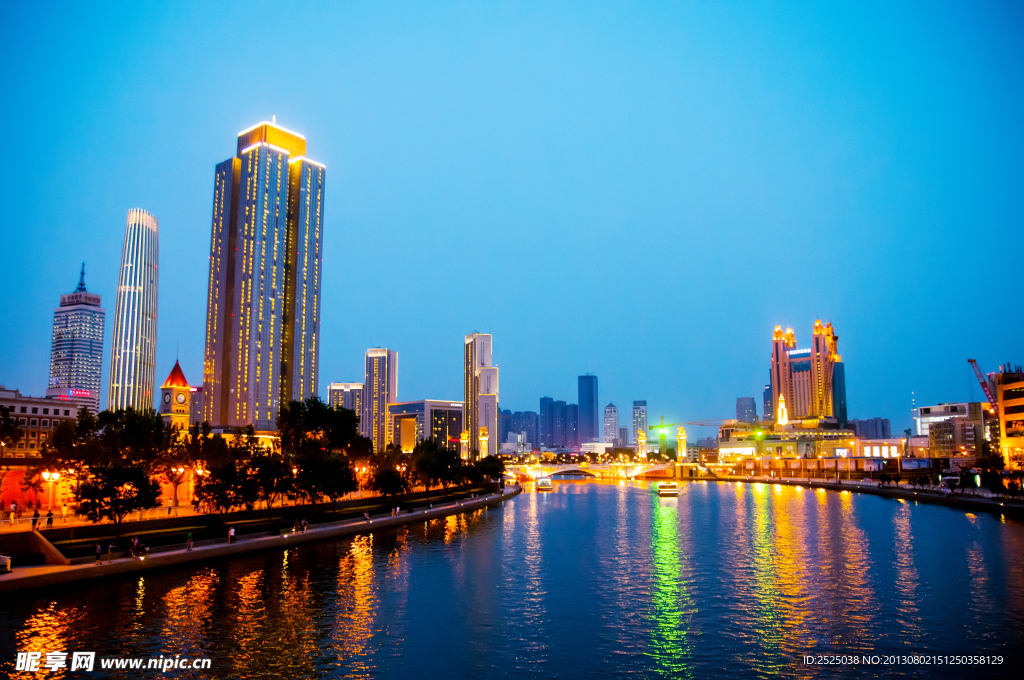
{"x":480,"y":383}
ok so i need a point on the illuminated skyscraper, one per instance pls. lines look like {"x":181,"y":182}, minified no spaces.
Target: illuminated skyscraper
{"x":811,"y":381}
{"x":379,"y":389}
{"x":639,"y":417}
{"x":589,"y":420}
{"x":263,"y":305}
{"x":76,"y":353}
{"x":480,"y":385}
{"x":133,"y":349}
{"x":611,"y":423}
{"x":346,"y":395}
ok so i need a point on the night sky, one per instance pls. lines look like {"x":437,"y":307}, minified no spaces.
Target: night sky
{"x":640,"y":191}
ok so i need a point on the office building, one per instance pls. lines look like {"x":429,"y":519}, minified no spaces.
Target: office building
{"x":872,"y":428}
{"x":263,"y":304}
{"x":346,"y":395}
{"x":639,"y":417}
{"x":411,"y":422}
{"x":36,"y":417}
{"x":480,"y":385}
{"x":558,"y":417}
{"x":768,"y":408}
{"x":76,"y":350}
{"x":546,"y":421}
{"x":611,"y":424}
{"x":1009,"y":383}
{"x":572,"y":426}
{"x":590,"y":424}
{"x":805,"y":379}
{"x":176,"y":399}
{"x":524,"y":424}
{"x":195,"y":406}
{"x":133,"y":347}
{"x":379,"y":389}
{"x":929,"y":415}
{"x":504,"y":421}
{"x":624,"y":439}
{"x":746,"y":409}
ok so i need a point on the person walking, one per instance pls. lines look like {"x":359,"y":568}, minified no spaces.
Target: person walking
{"x":188,"y":542}
{"x":231,"y":535}
{"x":64,"y":513}
{"x":35,"y":520}
{"x":49,"y":518}
{"x":304,"y":525}
{"x":99,"y":553}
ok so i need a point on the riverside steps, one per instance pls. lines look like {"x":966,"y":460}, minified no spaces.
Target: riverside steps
{"x":1001,"y":506}
{"x":26,"y":579}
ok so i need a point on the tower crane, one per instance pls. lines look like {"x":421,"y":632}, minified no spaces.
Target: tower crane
{"x":984,"y":386}
{"x":662,"y":429}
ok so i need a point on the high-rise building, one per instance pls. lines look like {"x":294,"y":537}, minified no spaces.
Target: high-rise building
{"x":175,"y":399}
{"x":133,"y":348}
{"x":624,"y":438}
{"x":768,"y":408}
{"x":746,"y":409}
{"x":379,"y":389}
{"x":639,"y":417}
{"x":346,"y":395}
{"x":875,"y":428}
{"x":558,"y":424}
{"x":805,"y":378}
{"x":480,"y":383}
{"x":572,"y":426}
{"x":839,"y":392}
{"x":589,"y":418}
{"x":545,"y":421}
{"x":611,"y":424}
{"x":524,"y":423}
{"x":414,"y":421}
{"x":504,"y":421}
{"x":76,"y":352}
{"x":1009,"y":384}
{"x":263,"y":305}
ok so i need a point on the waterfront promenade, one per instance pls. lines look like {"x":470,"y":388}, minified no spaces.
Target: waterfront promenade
{"x":28,"y":578}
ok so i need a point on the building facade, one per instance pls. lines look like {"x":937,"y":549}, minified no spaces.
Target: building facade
{"x":806,"y":379}
{"x":524,"y":424}
{"x":546,"y":421}
{"x":379,"y":389}
{"x":346,"y":395}
{"x":639,"y":418}
{"x":589,"y":418}
{"x":572,"y":426}
{"x":480,"y":386}
{"x":871,"y":428}
{"x":263,"y":303}
{"x":746,"y":409}
{"x":414,"y":421}
{"x":1010,"y":402}
{"x":611,"y":424}
{"x":76,"y":349}
{"x":36,"y":417}
{"x":176,"y":399}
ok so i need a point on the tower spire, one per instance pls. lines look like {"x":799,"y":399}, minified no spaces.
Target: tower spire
{"x":81,"y":281}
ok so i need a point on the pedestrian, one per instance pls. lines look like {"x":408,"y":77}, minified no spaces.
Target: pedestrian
{"x":110,"y":552}
{"x":295,"y":528}
{"x":99,"y":553}
{"x":49,"y":518}
{"x":64,"y":513}
{"x":170,"y":506}
{"x":231,"y":535}
{"x":188,"y":541}
{"x":304,"y":525}
{"x":35,"y":519}
{"x":366,"y":516}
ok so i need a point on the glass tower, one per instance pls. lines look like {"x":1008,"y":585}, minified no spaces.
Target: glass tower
{"x":263,"y":304}
{"x":589,"y":418}
{"x":133,"y":349}
{"x":76,"y":353}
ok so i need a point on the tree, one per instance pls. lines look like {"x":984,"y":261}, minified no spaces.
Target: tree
{"x":273,"y":477}
{"x":115,"y":491}
{"x":216,"y":489}
{"x":338,"y":479}
{"x":131,"y":437}
{"x":491,"y":466}
{"x":10,"y":431}
{"x":389,"y":482}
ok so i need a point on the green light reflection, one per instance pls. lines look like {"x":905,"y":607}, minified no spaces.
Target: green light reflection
{"x":673,"y":606}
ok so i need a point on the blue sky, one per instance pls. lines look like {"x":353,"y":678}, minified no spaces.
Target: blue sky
{"x":637,"y":190}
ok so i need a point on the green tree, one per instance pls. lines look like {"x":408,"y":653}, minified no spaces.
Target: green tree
{"x":273,"y":476}
{"x":389,"y":482}
{"x":491,"y":466}
{"x":115,"y":491}
{"x":216,"y":489}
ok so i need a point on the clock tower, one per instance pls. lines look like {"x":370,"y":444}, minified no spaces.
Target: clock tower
{"x":175,"y":398}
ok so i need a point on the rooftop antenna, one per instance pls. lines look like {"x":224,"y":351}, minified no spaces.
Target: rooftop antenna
{"x":273,"y":119}
{"x":81,"y":281}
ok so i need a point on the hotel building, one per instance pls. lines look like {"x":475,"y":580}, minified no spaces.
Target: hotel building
{"x":1010,"y":399}
{"x":380,"y":389}
{"x":811,"y":382}
{"x":263,"y":304}
{"x":480,"y":384}
{"x":76,"y":352}
{"x":133,"y":348}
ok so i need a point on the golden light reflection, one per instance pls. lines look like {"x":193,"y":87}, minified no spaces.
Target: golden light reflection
{"x":907,"y":579}
{"x":357,"y":608}
{"x":50,"y":630}
{"x":188,"y":610}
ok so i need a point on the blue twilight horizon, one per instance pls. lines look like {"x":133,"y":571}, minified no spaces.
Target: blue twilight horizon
{"x":638,"y":191}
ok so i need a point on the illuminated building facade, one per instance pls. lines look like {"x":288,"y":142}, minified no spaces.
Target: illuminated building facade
{"x":812,"y":381}
{"x":480,"y":385}
{"x":379,"y":389}
{"x":346,"y":395}
{"x":133,"y":348}
{"x":611,"y":424}
{"x":589,"y":422}
{"x":76,"y":351}
{"x":640,"y":418}
{"x":1010,"y":400}
{"x":263,"y":304}
{"x":176,"y":399}
{"x":413,"y":421}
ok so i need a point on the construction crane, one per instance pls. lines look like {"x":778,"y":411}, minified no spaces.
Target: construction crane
{"x":662,"y":429}
{"x":984,"y":386}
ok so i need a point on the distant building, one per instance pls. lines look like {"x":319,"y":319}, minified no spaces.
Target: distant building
{"x":346,"y":395}
{"x":746,"y":409}
{"x":195,"y":406}
{"x":76,"y":352}
{"x":572,"y":426}
{"x":380,"y":388}
{"x":1010,"y":400}
{"x":806,"y":378}
{"x":36,"y":417}
{"x":546,"y":421}
{"x":611,"y":424}
{"x":624,"y":438}
{"x":558,"y":418}
{"x":524,"y":423}
{"x":480,"y":385}
{"x":872,"y":428}
{"x":639,"y":418}
{"x":928,"y":415}
{"x":768,"y":407}
{"x":411,"y":422}
{"x":133,"y":347}
{"x":176,"y":399}
{"x":588,"y":403}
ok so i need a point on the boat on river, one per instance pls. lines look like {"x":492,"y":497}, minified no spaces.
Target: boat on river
{"x":668,"y":489}
{"x":544,"y":484}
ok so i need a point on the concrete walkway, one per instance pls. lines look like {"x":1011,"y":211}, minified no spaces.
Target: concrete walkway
{"x":23,"y":579}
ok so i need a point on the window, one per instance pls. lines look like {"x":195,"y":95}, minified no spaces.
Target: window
{"x":66,"y":412}
{"x":45,"y":423}
{"x":32,"y":434}
{"x":46,"y":411}
{"x":35,"y":410}
{"x":21,"y":421}
{"x":34,"y":422}
{"x":24,"y":410}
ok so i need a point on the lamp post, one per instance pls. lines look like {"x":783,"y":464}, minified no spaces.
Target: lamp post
{"x":50,"y":477}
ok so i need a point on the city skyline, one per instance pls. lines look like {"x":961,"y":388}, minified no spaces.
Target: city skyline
{"x":868,"y":168}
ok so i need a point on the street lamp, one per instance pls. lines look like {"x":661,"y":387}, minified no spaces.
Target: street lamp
{"x":50,"y":477}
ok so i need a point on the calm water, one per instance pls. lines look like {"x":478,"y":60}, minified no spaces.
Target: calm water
{"x":593,"y":579}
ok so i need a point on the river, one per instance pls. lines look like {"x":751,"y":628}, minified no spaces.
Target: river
{"x":594,"y":579}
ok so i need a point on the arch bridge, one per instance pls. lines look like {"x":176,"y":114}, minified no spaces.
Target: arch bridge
{"x":533,"y":471}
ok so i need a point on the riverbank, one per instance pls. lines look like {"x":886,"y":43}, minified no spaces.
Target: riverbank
{"x":25,"y":579}
{"x":1014,"y":509}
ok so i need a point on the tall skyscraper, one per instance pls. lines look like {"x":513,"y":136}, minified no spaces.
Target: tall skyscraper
{"x":805,"y":378}
{"x":558,"y":423}
{"x":572,"y":426}
{"x":346,"y":395}
{"x":589,"y":419}
{"x":746,"y":409}
{"x":546,"y":421}
{"x":379,"y":389}
{"x":263,"y":305}
{"x":480,"y":383}
{"x":639,"y":417}
{"x":76,"y":352}
{"x":611,"y":423}
{"x":133,"y":348}
{"x":767,"y":408}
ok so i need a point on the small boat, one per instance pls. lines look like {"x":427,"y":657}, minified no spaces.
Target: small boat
{"x":544,"y":484}
{"x":668,"y":489}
